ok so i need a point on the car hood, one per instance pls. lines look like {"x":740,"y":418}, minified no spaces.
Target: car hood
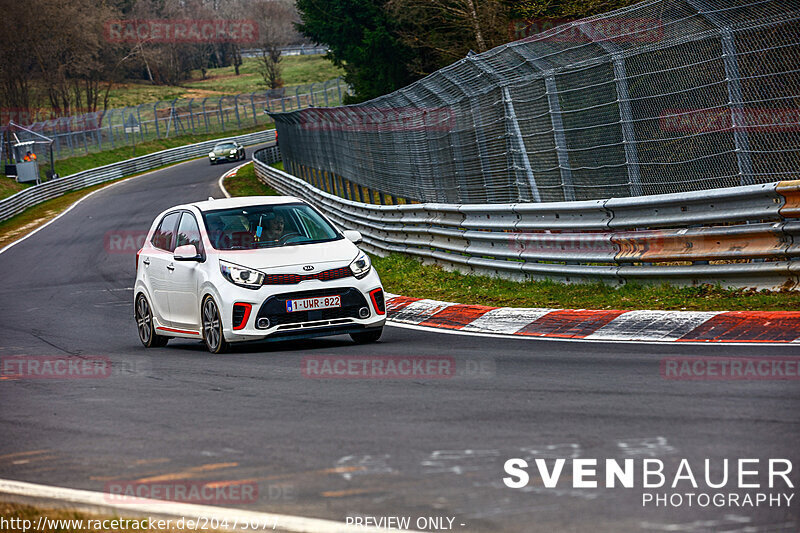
{"x":291,"y":259}
{"x":225,"y":151}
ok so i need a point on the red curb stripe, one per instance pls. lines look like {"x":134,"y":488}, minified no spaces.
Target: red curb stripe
{"x":456,"y":316}
{"x":569,"y":323}
{"x":744,"y":326}
{"x":397,"y":303}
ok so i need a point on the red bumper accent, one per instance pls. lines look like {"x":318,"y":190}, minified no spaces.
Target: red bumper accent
{"x":247,"y":309}
{"x":378,"y":301}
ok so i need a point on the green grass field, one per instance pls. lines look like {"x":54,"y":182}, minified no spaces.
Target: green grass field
{"x":297,"y":70}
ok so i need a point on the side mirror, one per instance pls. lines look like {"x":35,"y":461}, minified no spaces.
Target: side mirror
{"x":187,"y":252}
{"x":354,"y":236}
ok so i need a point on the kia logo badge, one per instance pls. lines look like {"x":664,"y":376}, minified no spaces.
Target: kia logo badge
{"x":308,"y":268}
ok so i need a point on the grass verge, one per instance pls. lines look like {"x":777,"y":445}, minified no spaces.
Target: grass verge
{"x":406,"y":275}
{"x":245,"y":183}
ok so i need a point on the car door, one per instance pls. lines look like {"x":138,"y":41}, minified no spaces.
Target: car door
{"x":157,"y":259}
{"x":184,"y":303}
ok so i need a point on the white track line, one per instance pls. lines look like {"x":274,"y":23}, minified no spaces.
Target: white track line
{"x":144,"y":508}
{"x":228,"y":173}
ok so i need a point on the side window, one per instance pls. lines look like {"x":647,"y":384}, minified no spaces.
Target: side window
{"x":189,"y":232}
{"x":163,"y":237}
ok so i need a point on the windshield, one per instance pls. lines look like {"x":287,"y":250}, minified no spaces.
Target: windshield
{"x":225,"y":146}
{"x":267,"y":226}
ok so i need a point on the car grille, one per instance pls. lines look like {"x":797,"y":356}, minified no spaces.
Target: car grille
{"x":274,"y":307}
{"x":291,"y":279}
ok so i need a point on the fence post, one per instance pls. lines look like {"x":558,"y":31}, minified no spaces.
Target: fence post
{"x":142,"y":125}
{"x":735,"y":99}
{"x":624,"y":103}
{"x":155,"y":116}
{"x":191,"y":114}
{"x":236,"y":112}
{"x":253,"y":106}
{"x":518,"y":146}
{"x":205,"y":115}
{"x":297,"y":94}
{"x":554,"y":108}
{"x":325,"y":91}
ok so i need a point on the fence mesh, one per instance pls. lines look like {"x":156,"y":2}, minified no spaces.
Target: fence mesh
{"x":663,"y":96}
{"x":112,"y":128}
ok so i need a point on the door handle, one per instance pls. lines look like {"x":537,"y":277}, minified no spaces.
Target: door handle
{"x":146,"y":262}
{"x":170,"y":267}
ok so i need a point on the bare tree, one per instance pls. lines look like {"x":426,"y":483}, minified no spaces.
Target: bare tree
{"x":445,"y":30}
{"x":276,"y":20}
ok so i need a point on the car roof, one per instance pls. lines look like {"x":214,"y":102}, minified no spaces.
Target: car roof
{"x":243,"y":201}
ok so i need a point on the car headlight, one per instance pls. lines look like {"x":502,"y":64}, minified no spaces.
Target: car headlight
{"x":242,"y":276}
{"x":233,"y":151}
{"x":361,"y":265}
{"x":210,"y":154}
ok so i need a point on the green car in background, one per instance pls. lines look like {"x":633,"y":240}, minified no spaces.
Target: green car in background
{"x":226,"y":151}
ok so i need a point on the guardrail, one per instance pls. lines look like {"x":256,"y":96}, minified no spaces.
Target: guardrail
{"x":46,"y":191}
{"x":741,"y":237}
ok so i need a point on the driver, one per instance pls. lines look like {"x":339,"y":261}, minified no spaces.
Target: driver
{"x":274,"y":230}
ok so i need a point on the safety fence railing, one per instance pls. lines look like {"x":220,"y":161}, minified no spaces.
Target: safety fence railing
{"x":746,"y":236}
{"x":662,"y":96}
{"x":46,"y":191}
{"x":113,"y":128}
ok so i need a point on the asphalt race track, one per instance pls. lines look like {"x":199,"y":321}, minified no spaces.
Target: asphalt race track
{"x":332,"y":448}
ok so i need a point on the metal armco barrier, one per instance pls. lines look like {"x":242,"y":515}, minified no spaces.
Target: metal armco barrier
{"x":39,"y":193}
{"x":739,"y":237}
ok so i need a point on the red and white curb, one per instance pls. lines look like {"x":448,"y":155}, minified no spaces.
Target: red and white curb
{"x":599,"y":325}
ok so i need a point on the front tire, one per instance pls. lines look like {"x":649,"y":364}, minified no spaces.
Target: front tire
{"x":367,"y":337}
{"x":212,"y":327}
{"x":144,"y":323}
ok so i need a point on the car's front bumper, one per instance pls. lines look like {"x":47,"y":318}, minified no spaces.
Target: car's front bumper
{"x":226,"y":157}
{"x":269,"y":302}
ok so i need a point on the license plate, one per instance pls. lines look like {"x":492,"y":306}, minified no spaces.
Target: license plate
{"x":308,"y":304}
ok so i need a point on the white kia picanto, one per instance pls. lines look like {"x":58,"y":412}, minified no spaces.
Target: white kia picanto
{"x":253,"y":268}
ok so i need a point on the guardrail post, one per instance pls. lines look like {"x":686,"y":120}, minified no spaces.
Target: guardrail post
{"x":735,"y":98}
